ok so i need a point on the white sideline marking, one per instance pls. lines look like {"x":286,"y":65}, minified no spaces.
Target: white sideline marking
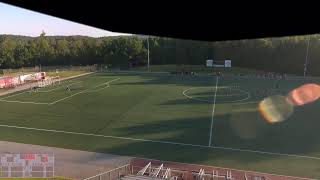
{"x":264,"y":152}
{"x":100,"y":135}
{"x":24,"y":102}
{"x":162,"y":142}
{"x":13,"y":95}
{"x":213,"y":108}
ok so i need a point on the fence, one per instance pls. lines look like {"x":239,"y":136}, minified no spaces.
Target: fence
{"x":19,"y":71}
{"x":24,"y":70}
{"x":70,"y":68}
{"x":113,"y":174}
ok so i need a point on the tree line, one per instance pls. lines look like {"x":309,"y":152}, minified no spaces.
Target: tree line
{"x":286,"y":54}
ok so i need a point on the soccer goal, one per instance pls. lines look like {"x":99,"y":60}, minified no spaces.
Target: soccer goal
{"x":56,"y":79}
{"x":45,"y":82}
{"x":49,"y":81}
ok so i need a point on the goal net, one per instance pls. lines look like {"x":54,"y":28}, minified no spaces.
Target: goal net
{"x":49,"y":81}
{"x":56,"y":79}
{"x":45,"y":82}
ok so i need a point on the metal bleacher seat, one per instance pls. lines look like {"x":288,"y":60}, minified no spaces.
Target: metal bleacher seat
{"x":140,"y":177}
{"x":149,"y":173}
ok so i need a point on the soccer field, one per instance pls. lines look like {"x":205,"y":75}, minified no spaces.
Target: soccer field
{"x":193,"y":119}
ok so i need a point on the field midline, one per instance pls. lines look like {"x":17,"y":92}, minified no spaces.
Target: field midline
{"x":162,"y":142}
{"x":213,"y":110}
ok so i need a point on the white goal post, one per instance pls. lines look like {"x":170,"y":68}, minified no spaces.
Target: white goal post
{"x":227,"y":63}
{"x":49,"y":81}
{"x":56,"y":79}
{"x":45,"y":82}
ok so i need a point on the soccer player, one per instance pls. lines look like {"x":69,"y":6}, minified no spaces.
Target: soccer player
{"x":277,"y":86}
{"x":33,"y":89}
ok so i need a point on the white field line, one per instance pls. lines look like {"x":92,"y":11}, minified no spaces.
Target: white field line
{"x":54,"y":102}
{"x":213,"y":108}
{"x":244,"y":103}
{"x":40,"y":103}
{"x":99,"y":89}
{"x":27,"y":87}
{"x":59,"y":87}
{"x":24,"y":102}
{"x":204,"y":100}
{"x":28,"y":102}
{"x":13,"y":95}
{"x":100,"y":135}
{"x":38,"y":91}
{"x":220,"y":95}
{"x":106,"y":83}
{"x":161,"y":142}
{"x":264,"y":152}
{"x":82,"y":91}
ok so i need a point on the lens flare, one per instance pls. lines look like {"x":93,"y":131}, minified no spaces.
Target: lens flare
{"x":275,"y":108}
{"x":246,"y":122}
{"x":305,"y":94}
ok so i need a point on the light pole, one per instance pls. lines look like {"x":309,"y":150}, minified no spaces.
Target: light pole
{"x":148,"y":54}
{"x":306,"y":60}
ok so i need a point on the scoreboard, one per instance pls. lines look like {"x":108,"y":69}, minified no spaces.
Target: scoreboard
{"x":217,"y":63}
{"x":26,"y":165}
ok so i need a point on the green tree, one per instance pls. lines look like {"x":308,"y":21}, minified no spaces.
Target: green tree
{"x":21,"y":55}
{"x":7,"y":50}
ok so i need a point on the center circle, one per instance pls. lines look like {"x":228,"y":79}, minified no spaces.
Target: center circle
{"x":225,"y":94}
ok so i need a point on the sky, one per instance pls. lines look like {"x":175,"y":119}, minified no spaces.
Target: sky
{"x":19,"y":21}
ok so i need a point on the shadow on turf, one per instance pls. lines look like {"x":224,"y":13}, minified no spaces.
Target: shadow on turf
{"x":237,"y":130}
{"x":209,"y":100}
{"x":165,"y":79}
{"x":241,"y":128}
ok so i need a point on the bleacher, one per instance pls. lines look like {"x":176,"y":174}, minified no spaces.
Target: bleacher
{"x":149,"y":173}
{"x":140,"y":177}
{"x":159,"y":172}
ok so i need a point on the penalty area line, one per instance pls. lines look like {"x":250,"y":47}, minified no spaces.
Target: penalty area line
{"x":84,"y":91}
{"x":13,"y":95}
